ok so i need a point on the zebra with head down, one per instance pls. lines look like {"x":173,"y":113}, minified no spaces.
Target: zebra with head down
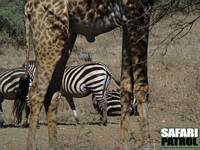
{"x":114,"y":103}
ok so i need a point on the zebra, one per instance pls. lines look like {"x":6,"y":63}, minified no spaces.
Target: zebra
{"x":83,"y":80}
{"x":114,"y":104}
{"x":14,"y":84}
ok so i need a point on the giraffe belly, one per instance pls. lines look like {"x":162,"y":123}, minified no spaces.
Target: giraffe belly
{"x":90,"y":30}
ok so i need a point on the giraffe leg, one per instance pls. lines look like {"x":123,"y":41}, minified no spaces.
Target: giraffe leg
{"x":51,"y":117}
{"x":52,"y":42}
{"x":136,"y":43}
{"x":141,"y":97}
{"x":36,"y":105}
{"x":126,"y":91}
{"x":40,"y":97}
{"x":47,"y":85}
{"x":139,"y":65}
{"x":73,"y":107}
{"x":54,"y":86}
{"x":49,"y":80}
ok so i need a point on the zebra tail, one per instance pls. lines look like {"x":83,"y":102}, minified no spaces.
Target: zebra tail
{"x":20,"y":100}
{"x":110,"y":73}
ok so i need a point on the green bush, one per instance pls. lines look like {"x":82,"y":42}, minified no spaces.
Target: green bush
{"x":12,"y":22}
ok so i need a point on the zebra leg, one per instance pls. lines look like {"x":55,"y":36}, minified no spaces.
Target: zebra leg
{"x":73,"y":108}
{"x":27,"y":112}
{"x":104,"y":112}
{"x":107,"y":81}
{"x":1,"y":112}
{"x":103,"y":106}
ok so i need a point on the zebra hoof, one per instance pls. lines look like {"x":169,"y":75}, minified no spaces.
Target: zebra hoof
{"x":105,"y":123}
{"x":1,"y":124}
{"x":25,"y":125}
{"x":38,"y":126}
{"x":77,"y":121}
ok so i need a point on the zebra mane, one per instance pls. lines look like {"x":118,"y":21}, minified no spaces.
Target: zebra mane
{"x":30,"y":67}
{"x":30,"y":62}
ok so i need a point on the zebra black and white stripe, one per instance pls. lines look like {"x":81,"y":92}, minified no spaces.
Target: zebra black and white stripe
{"x":14,"y":85}
{"x":114,"y":103}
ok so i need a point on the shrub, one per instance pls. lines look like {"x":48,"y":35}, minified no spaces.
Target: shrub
{"x":12,"y":22}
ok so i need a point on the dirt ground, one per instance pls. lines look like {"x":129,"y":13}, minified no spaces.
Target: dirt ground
{"x":174,"y":80}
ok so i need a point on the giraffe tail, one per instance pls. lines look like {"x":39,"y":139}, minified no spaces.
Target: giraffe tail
{"x":20,"y":100}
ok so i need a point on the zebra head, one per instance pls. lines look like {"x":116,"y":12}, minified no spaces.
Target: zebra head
{"x":30,"y":66}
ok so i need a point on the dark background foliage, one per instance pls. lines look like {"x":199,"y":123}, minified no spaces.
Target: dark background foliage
{"x":12,"y":22}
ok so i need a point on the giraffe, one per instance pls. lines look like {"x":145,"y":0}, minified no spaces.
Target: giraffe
{"x":54,"y":25}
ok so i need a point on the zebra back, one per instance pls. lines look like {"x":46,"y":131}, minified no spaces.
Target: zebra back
{"x":106,"y":68}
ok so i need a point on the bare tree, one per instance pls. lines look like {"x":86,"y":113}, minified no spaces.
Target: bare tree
{"x":180,"y":26}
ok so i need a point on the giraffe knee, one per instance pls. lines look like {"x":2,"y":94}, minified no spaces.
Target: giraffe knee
{"x":55,"y":100}
{"x":141,"y":96}
{"x":126,"y":86}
